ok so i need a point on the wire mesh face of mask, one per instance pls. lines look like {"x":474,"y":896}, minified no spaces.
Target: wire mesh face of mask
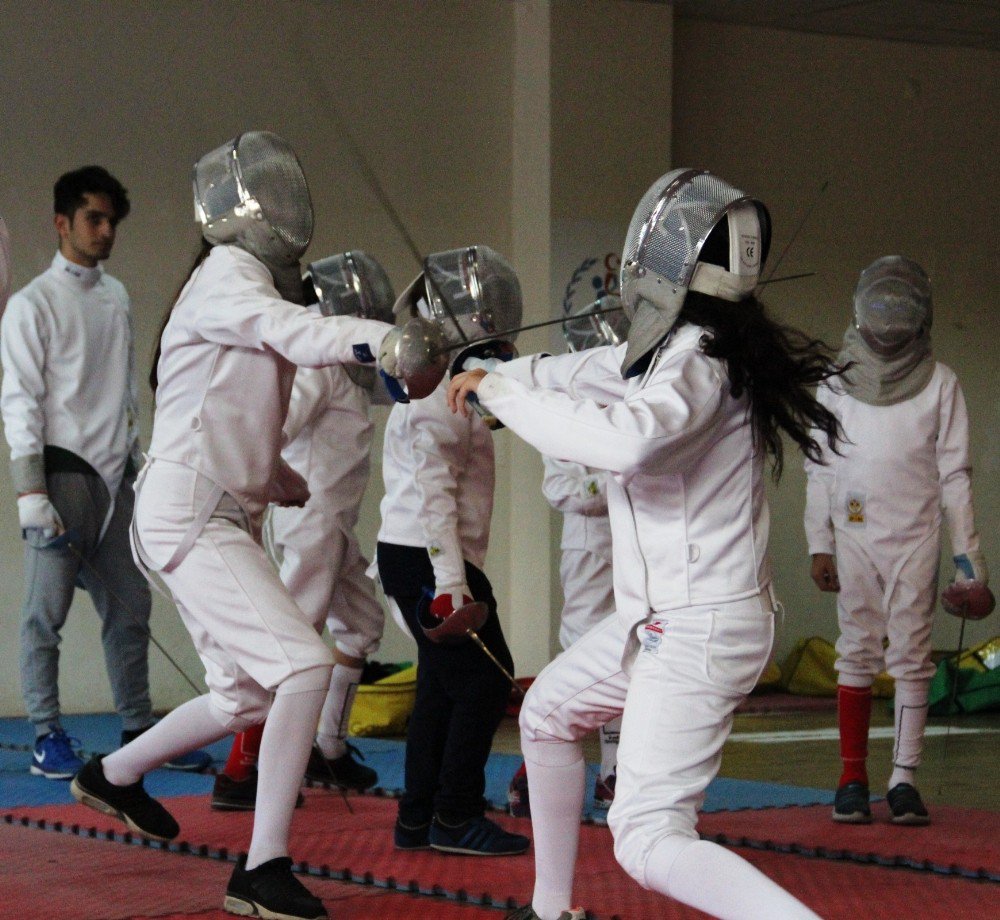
{"x":892,"y":304}
{"x":671,"y":224}
{"x":583,"y":330}
{"x":352,"y":284}
{"x":251,"y":192}
{"x":472,"y":293}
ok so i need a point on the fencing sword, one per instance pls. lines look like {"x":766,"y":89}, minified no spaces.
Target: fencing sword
{"x":769,"y":278}
{"x":459,"y":625}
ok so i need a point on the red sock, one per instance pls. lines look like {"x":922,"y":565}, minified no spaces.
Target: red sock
{"x":244,"y":752}
{"x":854,"y":712}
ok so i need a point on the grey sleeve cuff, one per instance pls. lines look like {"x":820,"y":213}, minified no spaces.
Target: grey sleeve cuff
{"x":28,"y":474}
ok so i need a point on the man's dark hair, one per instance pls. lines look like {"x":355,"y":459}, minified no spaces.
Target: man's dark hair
{"x":71,"y":187}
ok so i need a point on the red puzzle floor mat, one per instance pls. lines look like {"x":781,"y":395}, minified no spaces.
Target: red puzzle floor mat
{"x":961,"y":840}
{"x":358,"y":846}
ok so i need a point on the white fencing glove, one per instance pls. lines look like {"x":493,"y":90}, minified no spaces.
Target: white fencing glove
{"x":449,"y":599}
{"x":36,"y":512}
{"x":971,"y":566}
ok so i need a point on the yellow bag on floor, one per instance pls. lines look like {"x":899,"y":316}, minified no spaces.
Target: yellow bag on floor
{"x":808,"y":671}
{"x":384,"y":707}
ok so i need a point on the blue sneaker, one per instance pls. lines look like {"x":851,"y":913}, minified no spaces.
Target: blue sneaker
{"x":55,"y":755}
{"x":476,"y":837}
{"x":191,"y":762}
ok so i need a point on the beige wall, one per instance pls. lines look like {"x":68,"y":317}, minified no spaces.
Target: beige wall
{"x":906,"y":138}
{"x":490,"y":121}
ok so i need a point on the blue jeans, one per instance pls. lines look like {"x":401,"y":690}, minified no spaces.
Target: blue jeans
{"x":118,"y":590}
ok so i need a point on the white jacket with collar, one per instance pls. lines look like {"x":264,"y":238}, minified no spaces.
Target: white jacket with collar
{"x":228,"y":357}
{"x":581,"y":494}
{"x":67,"y":348}
{"x":686,"y":499}
{"x":899,"y":465}
{"x":438,"y":470}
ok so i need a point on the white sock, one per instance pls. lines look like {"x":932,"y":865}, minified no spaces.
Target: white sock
{"x":284,"y":750}
{"x":191,"y":725}
{"x":609,"y":735}
{"x":336,"y":714}
{"x":910,"y":706}
{"x":557,"y":776}
{"x":718,"y":882}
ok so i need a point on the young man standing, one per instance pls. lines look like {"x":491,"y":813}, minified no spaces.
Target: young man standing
{"x":70,"y":415}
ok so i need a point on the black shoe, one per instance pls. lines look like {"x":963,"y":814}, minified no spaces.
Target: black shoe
{"x":234,"y":794}
{"x":476,"y":837}
{"x":271,"y":891}
{"x":411,"y":838}
{"x":906,"y":805}
{"x":131,"y":804}
{"x":343,"y":771}
{"x":850,"y":805}
{"x":239,"y":794}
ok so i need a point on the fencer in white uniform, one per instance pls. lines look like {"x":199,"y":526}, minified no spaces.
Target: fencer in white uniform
{"x":228,"y":356}
{"x":873,"y":519}
{"x":673,"y":419}
{"x":328,"y":437}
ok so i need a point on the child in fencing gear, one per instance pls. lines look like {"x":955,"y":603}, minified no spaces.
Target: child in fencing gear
{"x":681,"y":416}
{"x":873,"y":521}
{"x":328,"y":436}
{"x":439,"y":476}
{"x":228,"y":355}
{"x":579,"y":493}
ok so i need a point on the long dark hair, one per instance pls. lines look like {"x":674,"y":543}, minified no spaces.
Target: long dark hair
{"x":202,"y":254}
{"x":776,"y":365}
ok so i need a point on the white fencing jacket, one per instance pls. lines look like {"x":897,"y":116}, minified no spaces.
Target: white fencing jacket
{"x":898,"y":466}
{"x":67,"y":348}
{"x":438,"y":470}
{"x":686,"y":499}
{"x":581,"y":494}
{"x":227,"y":362}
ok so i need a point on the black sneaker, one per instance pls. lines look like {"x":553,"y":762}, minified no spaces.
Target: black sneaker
{"x":230,"y":794}
{"x":343,"y":771}
{"x":850,"y":805}
{"x":271,"y":891}
{"x":411,"y":838}
{"x":131,"y":804}
{"x":476,"y":837}
{"x":906,"y":805}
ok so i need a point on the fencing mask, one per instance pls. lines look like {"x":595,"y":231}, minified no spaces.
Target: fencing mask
{"x":892,"y":304}
{"x":691,"y":231}
{"x":251,"y":192}
{"x":352,"y":284}
{"x":582,"y":329}
{"x":6,"y":275}
{"x":888,"y":344}
{"x":471,"y":293}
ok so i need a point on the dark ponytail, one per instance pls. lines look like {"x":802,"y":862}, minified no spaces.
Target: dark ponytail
{"x":776,"y":365}
{"x":200,"y":257}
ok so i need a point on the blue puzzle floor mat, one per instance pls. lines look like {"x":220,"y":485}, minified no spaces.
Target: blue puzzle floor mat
{"x":98,"y":733}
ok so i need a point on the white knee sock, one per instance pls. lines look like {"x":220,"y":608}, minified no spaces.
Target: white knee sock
{"x":336,"y":714}
{"x":557,"y":776}
{"x":910,"y":707}
{"x":191,"y":725}
{"x":609,"y":735}
{"x":284,"y":750}
{"x":717,"y":881}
